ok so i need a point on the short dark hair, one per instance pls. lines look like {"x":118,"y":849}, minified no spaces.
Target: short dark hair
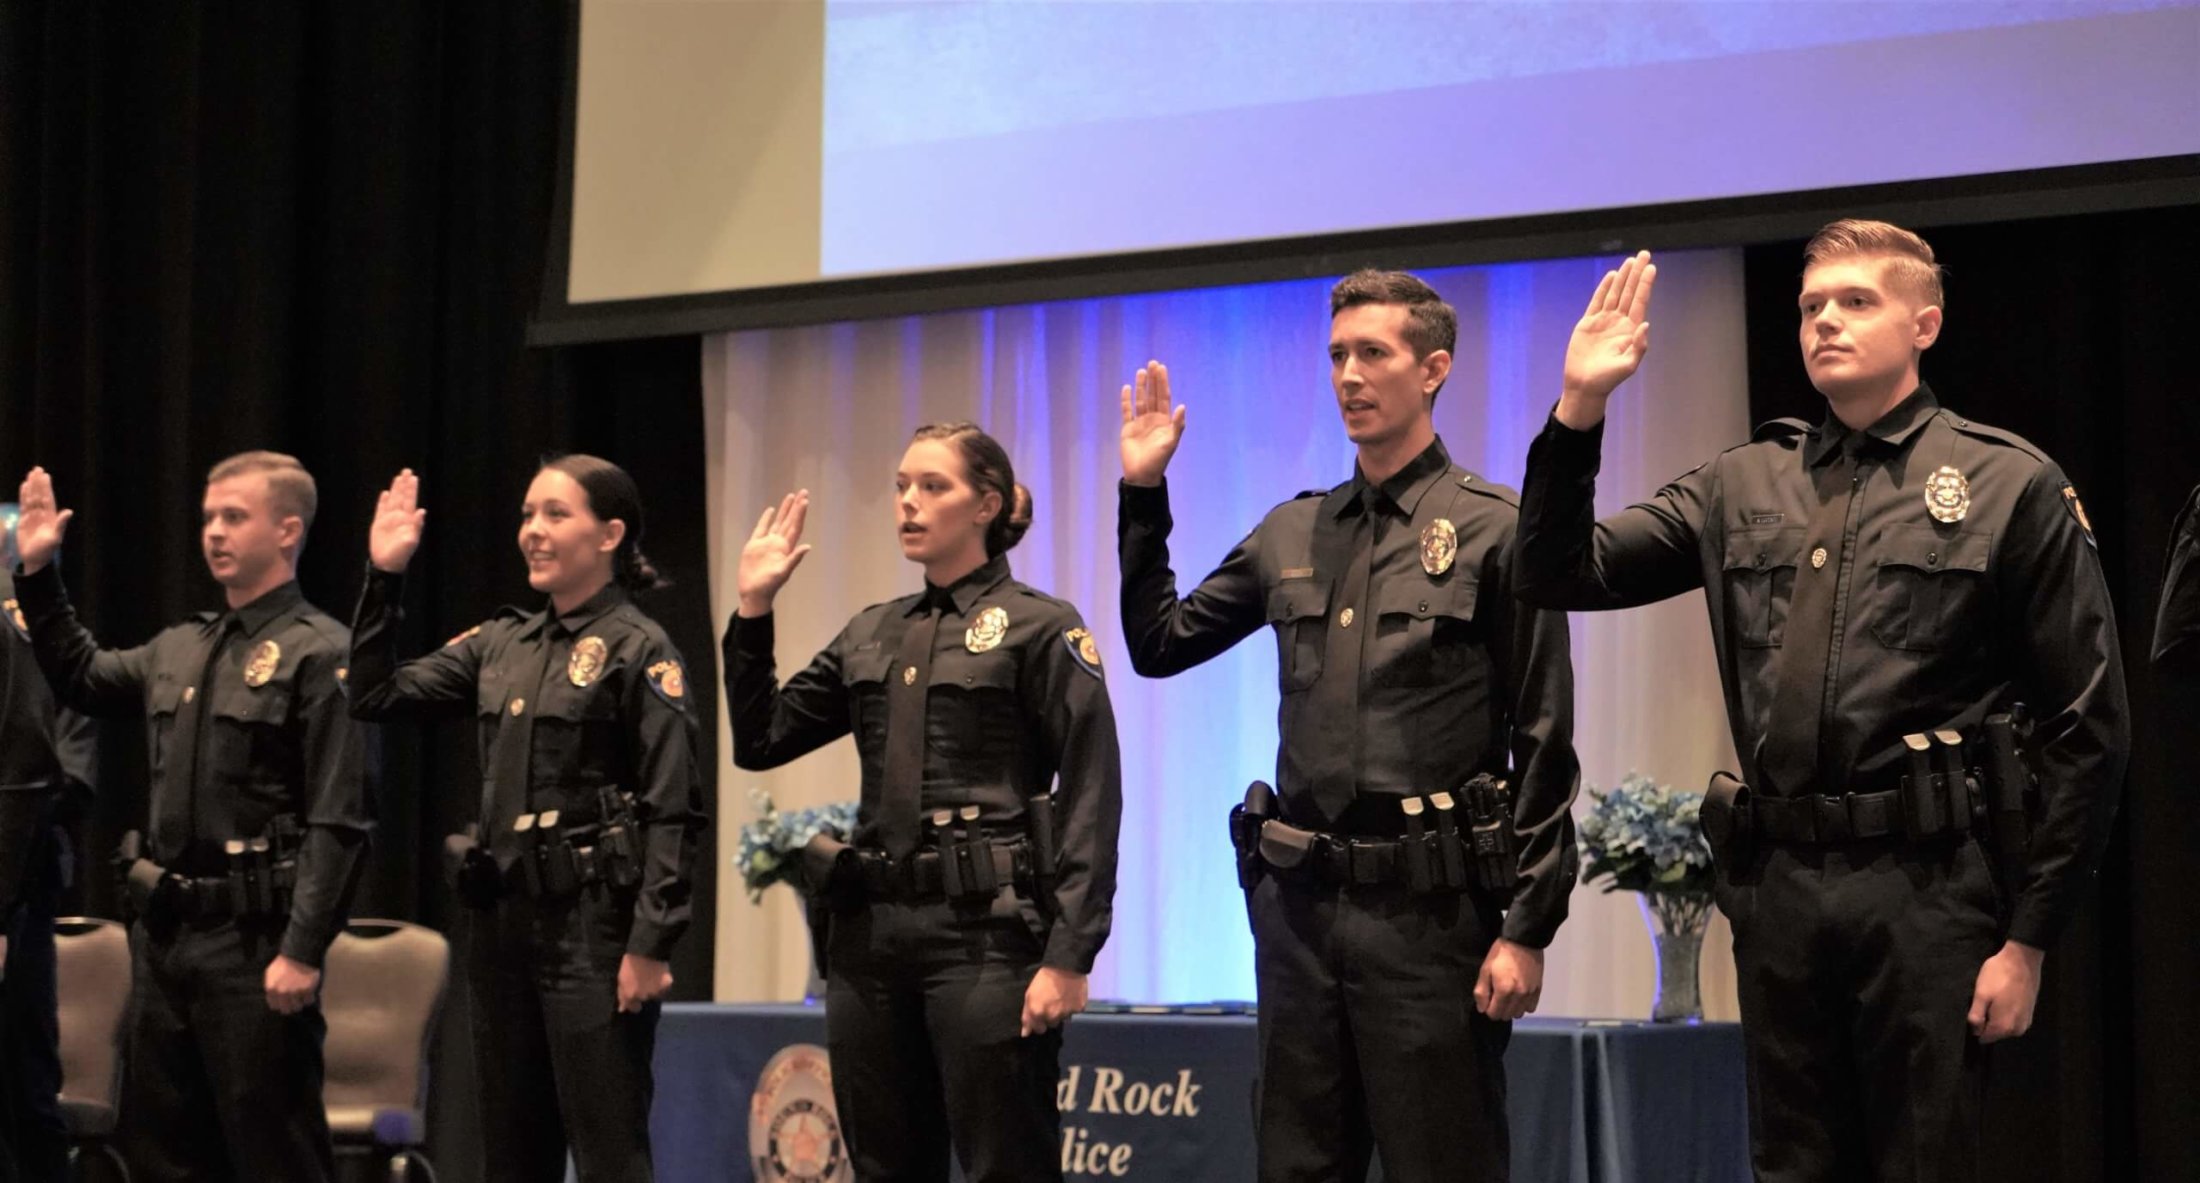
{"x":986,"y":467}
{"x":613,"y":494}
{"x":1431,"y":324}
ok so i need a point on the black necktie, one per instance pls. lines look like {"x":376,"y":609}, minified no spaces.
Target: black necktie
{"x":1338,"y":691}
{"x":174,"y":828}
{"x":1793,"y":726}
{"x":504,"y":798}
{"x":905,"y":734}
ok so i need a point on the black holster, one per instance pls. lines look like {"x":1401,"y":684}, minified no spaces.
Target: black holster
{"x":1046,"y":851}
{"x":1245,"y":825}
{"x":1729,"y":822}
{"x":471,"y":871}
{"x":1496,"y":859}
{"x":2010,"y":789}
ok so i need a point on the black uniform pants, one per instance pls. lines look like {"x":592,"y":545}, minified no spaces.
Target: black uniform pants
{"x":1857,"y":964}
{"x":923,"y":1018}
{"x":33,"y":1144}
{"x":216,"y":1086}
{"x":555,"y":1062}
{"x":1369,"y":1036}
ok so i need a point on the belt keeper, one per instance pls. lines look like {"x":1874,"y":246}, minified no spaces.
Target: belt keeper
{"x":1416,"y":850}
{"x":1923,"y":814}
{"x":530,"y":859}
{"x":238,"y":884}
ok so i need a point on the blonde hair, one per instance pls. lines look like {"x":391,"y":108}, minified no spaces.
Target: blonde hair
{"x":1909,"y":258}
{"x":290,"y":488}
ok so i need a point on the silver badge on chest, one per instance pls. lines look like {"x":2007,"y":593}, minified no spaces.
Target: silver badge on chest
{"x":1947,"y":494}
{"x":1439,"y":546}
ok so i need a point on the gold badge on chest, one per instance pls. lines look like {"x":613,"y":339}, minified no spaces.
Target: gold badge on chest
{"x":261,"y":666}
{"x":586,"y":664}
{"x":1947,"y":494}
{"x":986,"y":633}
{"x":1439,"y":546}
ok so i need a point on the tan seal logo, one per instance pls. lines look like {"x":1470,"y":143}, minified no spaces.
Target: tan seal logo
{"x":262,"y":665}
{"x":794,"y":1130}
{"x":586,"y":665}
{"x":1947,"y":494}
{"x":986,"y":633}
{"x":1439,"y":546}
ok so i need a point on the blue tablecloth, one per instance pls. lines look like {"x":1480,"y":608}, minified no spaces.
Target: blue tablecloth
{"x":1169,"y":1097}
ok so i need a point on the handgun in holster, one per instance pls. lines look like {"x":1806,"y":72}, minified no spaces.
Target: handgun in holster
{"x":471,"y":870}
{"x":1490,"y":814}
{"x":1729,"y":819}
{"x":2010,"y":788}
{"x":618,"y":839}
{"x":1046,"y":850}
{"x":146,"y":889}
{"x":1245,"y":826}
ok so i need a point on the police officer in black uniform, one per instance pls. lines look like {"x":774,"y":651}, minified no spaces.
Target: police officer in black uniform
{"x":1385,"y":889}
{"x":1884,"y":588}
{"x":259,"y":821}
{"x":2177,"y":618}
{"x":581,"y":868}
{"x":966,"y":915}
{"x":46,"y":755}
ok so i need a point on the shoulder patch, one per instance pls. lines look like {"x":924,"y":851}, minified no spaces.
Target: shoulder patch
{"x":2077,"y":510}
{"x":15,"y":620}
{"x":1776,"y":429}
{"x":669,"y":681}
{"x":469,"y":634}
{"x":1084,"y":649}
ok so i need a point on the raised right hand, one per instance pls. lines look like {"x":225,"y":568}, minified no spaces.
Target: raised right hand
{"x":772,"y":553}
{"x":1151,"y":430}
{"x":398,"y":520}
{"x":39,"y":523}
{"x":1608,"y":342}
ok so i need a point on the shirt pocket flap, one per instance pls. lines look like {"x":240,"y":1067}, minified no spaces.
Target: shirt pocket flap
{"x":1297,"y":599}
{"x":1422,"y":600}
{"x":1928,"y":550}
{"x":866,"y":665}
{"x":995,"y":670}
{"x":1765,"y":548}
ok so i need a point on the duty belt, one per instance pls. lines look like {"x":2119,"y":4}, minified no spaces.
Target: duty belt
{"x":928,"y":875}
{"x":1938,"y":797}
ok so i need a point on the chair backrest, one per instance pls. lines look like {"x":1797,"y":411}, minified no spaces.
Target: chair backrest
{"x":381,"y":987}
{"x":92,"y":976}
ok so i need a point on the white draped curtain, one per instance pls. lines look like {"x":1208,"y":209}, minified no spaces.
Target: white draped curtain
{"x":830,"y":408}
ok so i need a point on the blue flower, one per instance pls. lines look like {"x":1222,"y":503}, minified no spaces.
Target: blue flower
{"x":1643,"y":836}
{"x":767,"y":848}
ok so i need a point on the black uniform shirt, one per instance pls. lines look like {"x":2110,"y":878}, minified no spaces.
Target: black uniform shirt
{"x":1003,"y":724}
{"x":43,"y":750}
{"x":1455,"y":678}
{"x":629,"y":726}
{"x":273,"y":735}
{"x":1936,"y":624}
{"x":2177,"y":621}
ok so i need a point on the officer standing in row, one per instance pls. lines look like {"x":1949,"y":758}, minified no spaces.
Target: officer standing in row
{"x":1419,"y":851}
{"x":46,"y":756}
{"x":581,"y":871}
{"x":259,"y":821}
{"x":1884,"y":589}
{"x":965,"y":915}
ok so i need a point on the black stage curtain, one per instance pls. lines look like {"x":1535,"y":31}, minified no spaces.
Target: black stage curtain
{"x":318,"y":228}
{"x":2070,"y":332}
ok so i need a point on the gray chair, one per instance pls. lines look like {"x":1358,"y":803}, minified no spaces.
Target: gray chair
{"x":381,"y":988}
{"x":92,"y":968}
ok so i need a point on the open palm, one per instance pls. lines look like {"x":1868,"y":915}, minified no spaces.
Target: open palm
{"x":398,"y":522}
{"x":773,"y":550}
{"x":1151,"y":427}
{"x":1613,"y":334}
{"x":40,"y":522}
